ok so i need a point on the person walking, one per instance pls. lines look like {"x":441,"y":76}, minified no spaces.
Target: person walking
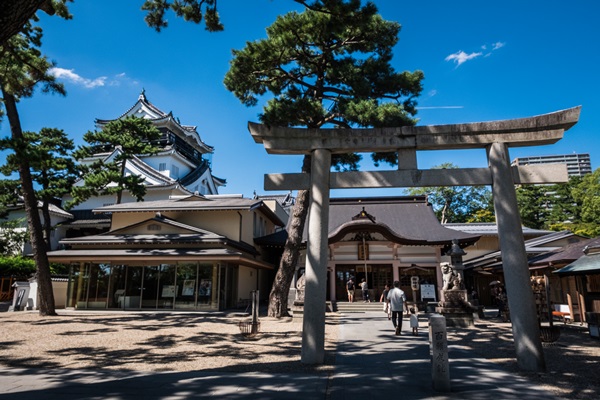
{"x":414,"y":322}
{"x":397,"y":298}
{"x":350,"y":287}
{"x":386,"y":302}
{"x":365,"y":291}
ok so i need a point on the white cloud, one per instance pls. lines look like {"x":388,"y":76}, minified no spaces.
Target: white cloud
{"x":461,"y":57}
{"x":69,"y":75}
{"x":432,"y":93}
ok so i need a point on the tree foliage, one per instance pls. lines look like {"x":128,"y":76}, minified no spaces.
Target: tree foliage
{"x":17,"y":266}
{"x":197,"y":11}
{"x":16,"y":13}
{"x":128,"y":137}
{"x":534,"y":205}
{"x":13,"y":235}
{"x":570,"y":206}
{"x":52,"y":168}
{"x":190,"y":10}
{"x":10,"y":195}
{"x":329,"y":66}
{"x":458,"y":204}
{"x":22,"y":267}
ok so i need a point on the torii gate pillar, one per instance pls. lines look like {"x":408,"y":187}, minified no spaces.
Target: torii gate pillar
{"x":313,"y":329}
{"x":530,"y":355}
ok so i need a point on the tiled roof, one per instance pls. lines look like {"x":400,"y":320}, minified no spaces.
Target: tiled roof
{"x":491,"y":229}
{"x":192,"y":203}
{"x":159,"y":255}
{"x":407,"y":219}
{"x":532,"y":247}
{"x":564,"y":255}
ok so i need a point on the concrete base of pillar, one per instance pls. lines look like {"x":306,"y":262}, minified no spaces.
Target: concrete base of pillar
{"x":456,"y":308}
{"x":456,"y":317}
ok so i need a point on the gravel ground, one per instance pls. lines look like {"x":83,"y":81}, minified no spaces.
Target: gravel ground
{"x":190,"y":342}
{"x":153,"y":342}
{"x":572,"y":361}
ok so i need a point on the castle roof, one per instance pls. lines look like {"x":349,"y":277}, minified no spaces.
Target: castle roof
{"x":143,"y":108}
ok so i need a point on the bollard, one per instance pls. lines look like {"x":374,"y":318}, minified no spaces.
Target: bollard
{"x":440,"y":367}
{"x":255,"y":323}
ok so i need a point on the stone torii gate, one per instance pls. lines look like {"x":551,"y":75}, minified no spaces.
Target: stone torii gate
{"x":495,"y":137}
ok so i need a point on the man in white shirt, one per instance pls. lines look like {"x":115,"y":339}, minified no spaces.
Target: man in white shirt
{"x":397,"y":298}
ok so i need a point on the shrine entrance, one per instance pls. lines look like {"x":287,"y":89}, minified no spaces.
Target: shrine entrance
{"x":495,"y":137}
{"x":376,"y":275}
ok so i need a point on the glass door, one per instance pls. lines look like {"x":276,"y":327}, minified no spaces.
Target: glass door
{"x":166,"y":290}
{"x":150,"y":289}
{"x":186,"y":286}
{"x":133,"y":288}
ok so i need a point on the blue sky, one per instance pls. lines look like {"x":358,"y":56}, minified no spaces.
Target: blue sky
{"x":484,"y":60}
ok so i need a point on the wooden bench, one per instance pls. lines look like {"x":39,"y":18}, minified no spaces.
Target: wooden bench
{"x":562,"y":311}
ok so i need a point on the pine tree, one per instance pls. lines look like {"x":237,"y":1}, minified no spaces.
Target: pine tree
{"x":329,"y":66}
{"x":22,"y":68}
{"x":128,"y":138}
{"x":52,"y":167}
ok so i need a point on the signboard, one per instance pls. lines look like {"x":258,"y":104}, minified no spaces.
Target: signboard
{"x":188,"y":287}
{"x":20,"y":298}
{"x":428,"y":292}
{"x":168,"y":291}
{"x":414,"y":282}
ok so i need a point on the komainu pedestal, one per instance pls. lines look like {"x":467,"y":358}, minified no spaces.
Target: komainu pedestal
{"x":456,"y":308}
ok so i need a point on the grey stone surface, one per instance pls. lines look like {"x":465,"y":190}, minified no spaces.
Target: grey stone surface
{"x":524,"y":174}
{"x":317,"y":252}
{"x":526,"y":331}
{"x":532,"y":131}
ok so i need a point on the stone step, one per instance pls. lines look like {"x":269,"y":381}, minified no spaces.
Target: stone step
{"x":358,"y":306}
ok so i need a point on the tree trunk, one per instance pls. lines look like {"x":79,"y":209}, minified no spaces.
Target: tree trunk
{"x":16,"y":13}
{"x":278,"y":298}
{"x":47,"y":224}
{"x":36,"y":235}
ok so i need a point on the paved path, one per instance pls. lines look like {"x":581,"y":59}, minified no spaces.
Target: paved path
{"x":372,"y":363}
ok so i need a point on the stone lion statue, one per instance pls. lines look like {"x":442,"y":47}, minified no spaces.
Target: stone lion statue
{"x":451,"y":279}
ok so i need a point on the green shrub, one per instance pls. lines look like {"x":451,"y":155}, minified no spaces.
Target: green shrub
{"x":16,"y":266}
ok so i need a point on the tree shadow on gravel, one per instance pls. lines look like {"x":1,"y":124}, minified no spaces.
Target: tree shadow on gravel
{"x":571,"y":361}
{"x":216,"y":383}
{"x":162,"y":350}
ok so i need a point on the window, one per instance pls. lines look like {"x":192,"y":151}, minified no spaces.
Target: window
{"x":162,"y":167}
{"x":175,"y":172}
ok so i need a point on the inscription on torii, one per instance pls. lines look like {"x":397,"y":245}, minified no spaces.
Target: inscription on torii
{"x":495,"y":137}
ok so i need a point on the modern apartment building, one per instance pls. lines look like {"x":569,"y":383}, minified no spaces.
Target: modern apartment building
{"x":577,"y":164}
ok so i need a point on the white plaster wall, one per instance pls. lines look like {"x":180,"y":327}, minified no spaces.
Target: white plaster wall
{"x":247,"y":281}
{"x":170,"y":161}
{"x":59,"y":290}
{"x":277,"y":209}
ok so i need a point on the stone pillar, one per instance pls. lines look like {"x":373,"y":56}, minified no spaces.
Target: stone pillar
{"x":521,"y":302}
{"x":313,"y":329}
{"x":440,"y":363}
